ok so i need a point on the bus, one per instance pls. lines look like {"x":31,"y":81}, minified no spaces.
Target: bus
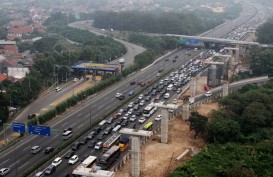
{"x":149,"y":110}
{"x":109,"y":157}
{"x":116,"y":129}
{"x":67,"y":134}
{"x":148,"y":126}
{"x":110,"y":142}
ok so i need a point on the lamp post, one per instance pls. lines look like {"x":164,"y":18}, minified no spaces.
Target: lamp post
{"x":90,"y":117}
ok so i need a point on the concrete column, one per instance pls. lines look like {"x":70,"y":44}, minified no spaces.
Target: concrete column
{"x":192,"y":87}
{"x":135,"y":156}
{"x":186,"y":112}
{"x":164,"y":126}
{"x":225,"y":89}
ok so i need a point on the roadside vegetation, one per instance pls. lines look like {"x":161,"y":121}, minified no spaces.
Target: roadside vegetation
{"x":265,"y":33}
{"x":187,"y":23}
{"x":239,"y":136}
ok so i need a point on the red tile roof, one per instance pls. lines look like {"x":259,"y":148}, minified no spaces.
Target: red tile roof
{"x":22,"y":30}
{"x":17,"y":23}
{"x":10,"y":49}
{"x":11,"y":62}
{"x":3,"y":77}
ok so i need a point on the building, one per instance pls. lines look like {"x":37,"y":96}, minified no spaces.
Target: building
{"x":18,"y":32}
{"x":10,"y":49}
{"x":17,"y":23}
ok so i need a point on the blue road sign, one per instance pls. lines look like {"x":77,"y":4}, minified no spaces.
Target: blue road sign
{"x":18,"y":127}
{"x":39,"y":130}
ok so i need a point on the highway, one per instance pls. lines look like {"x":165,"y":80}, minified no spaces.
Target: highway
{"x":18,"y":157}
{"x":78,"y":119}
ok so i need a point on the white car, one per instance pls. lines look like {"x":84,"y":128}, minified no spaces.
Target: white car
{"x":73,"y":160}
{"x":142,"y":102}
{"x":208,"y":94}
{"x":57,"y":161}
{"x":140,"y":96}
{"x":4,"y":171}
{"x":133,"y":118}
{"x":142,"y":120}
{"x":158,"y":117}
{"x":174,"y":101}
{"x":75,"y":79}
{"x":130,"y":111}
{"x":117,"y":95}
{"x":167,"y":95}
{"x":57,"y":89}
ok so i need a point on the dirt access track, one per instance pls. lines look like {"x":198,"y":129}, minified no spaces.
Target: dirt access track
{"x":158,"y":159}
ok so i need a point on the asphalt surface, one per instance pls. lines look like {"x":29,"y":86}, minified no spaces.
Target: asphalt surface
{"x":18,"y":157}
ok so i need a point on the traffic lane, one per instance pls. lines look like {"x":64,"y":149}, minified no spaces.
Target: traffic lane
{"x":44,"y":101}
{"x":43,"y":141}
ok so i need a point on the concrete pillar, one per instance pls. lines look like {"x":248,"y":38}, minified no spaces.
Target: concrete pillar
{"x":164,"y":126}
{"x":186,"y":112}
{"x":225,"y":89}
{"x":192,"y":87}
{"x":237,"y":52}
{"x":135,"y":156}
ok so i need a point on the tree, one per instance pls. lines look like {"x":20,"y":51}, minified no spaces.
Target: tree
{"x":262,"y":62}
{"x":198,"y":123}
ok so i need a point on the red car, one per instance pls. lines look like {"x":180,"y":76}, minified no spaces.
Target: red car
{"x":150,"y":81}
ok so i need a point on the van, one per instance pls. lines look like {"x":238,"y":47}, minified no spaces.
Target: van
{"x":116,"y":129}
{"x":98,"y":146}
{"x":39,"y":174}
{"x":170,"y":87}
{"x":35,"y":149}
{"x":102,"y":123}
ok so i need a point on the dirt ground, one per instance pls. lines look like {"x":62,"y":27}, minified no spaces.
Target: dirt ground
{"x":163,"y":155}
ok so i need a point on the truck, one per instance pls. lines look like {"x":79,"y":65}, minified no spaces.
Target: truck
{"x":110,"y":142}
{"x":123,"y":143}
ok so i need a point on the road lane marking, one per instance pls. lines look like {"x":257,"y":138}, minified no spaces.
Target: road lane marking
{"x":4,"y":162}
{"x":87,"y":115}
{"x":80,"y":125}
{"x":26,"y":148}
{"x":64,"y":124}
{"x":14,"y":163}
{"x":23,"y":165}
{"x":80,"y":114}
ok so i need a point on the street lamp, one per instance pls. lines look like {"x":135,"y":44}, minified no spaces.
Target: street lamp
{"x":90,"y":117}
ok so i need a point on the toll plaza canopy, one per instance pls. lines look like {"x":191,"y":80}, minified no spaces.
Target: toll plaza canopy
{"x":96,"y":67}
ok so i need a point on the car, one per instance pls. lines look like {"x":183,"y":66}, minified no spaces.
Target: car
{"x":131,"y":104}
{"x":67,"y":129}
{"x":148,"y":98}
{"x":98,"y":146}
{"x":57,"y":161}
{"x":133,"y":125}
{"x":174,"y":60}
{"x":157,"y":74}
{"x":39,"y":174}
{"x":66,"y":175}
{"x":84,"y":141}
{"x":171,"y":111}
{"x":31,"y":116}
{"x":69,"y":154}
{"x":109,"y":120}
{"x":75,"y":79}
{"x":174,"y":101}
{"x":166,"y":59}
{"x":178,"y":90}
{"x":117,"y":95}
{"x":57,"y":89}
{"x":142,"y":120}
{"x":4,"y":171}
{"x":92,"y":143}
{"x":91,"y":135}
{"x":208,"y":94}
{"x":130,"y":111}
{"x":131,"y":93}
{"x":167,"y":95}
{"x":121,"y":97}
{"x":100,"y":136}
{"x":142,"y":84}
{"x":108,"y":130}
{"x":142,"y":102}
{"x":50,"y":169}
{"x":133,"y":118}
{"x":48,"y":150}
{"x":75,"y":146}
{"x":140,"y":97}
{"x":132,"y":82}
{"x":138,"y":113}
{"x":73,"y":160}
{"x":158,"y":117}
{"x":139,"y":82}
{"x":157,"y":97}
{"x":124,"y":123}
{"x":136,"y":107}
{"x":149,"y":81}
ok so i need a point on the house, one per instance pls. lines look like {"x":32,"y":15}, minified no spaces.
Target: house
{"x":17,"y":23}
{"x":17,"y":72}
{"x":3,"y":77}
{"x":10,"y":49}
{"x":20,"y":31}
{"x":4,"y":64}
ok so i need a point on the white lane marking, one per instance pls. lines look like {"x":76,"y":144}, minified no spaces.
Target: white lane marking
{"x":92,"y":151}
{"x":80,"y":114}
{"x":14,"y":163}
{"x":64,"y":124}
{"x":4,"y":162}
{"x":26,"y":148}
{"x":87,"y":115}
{"x":72,"y":125}
{"x":107,"y":106}
{"x":100,"y":106}
{"x":80,"y":125}
{"x":23,"y":165}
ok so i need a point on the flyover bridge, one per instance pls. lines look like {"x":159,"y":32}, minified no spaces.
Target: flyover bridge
{"x":220,"y":40}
